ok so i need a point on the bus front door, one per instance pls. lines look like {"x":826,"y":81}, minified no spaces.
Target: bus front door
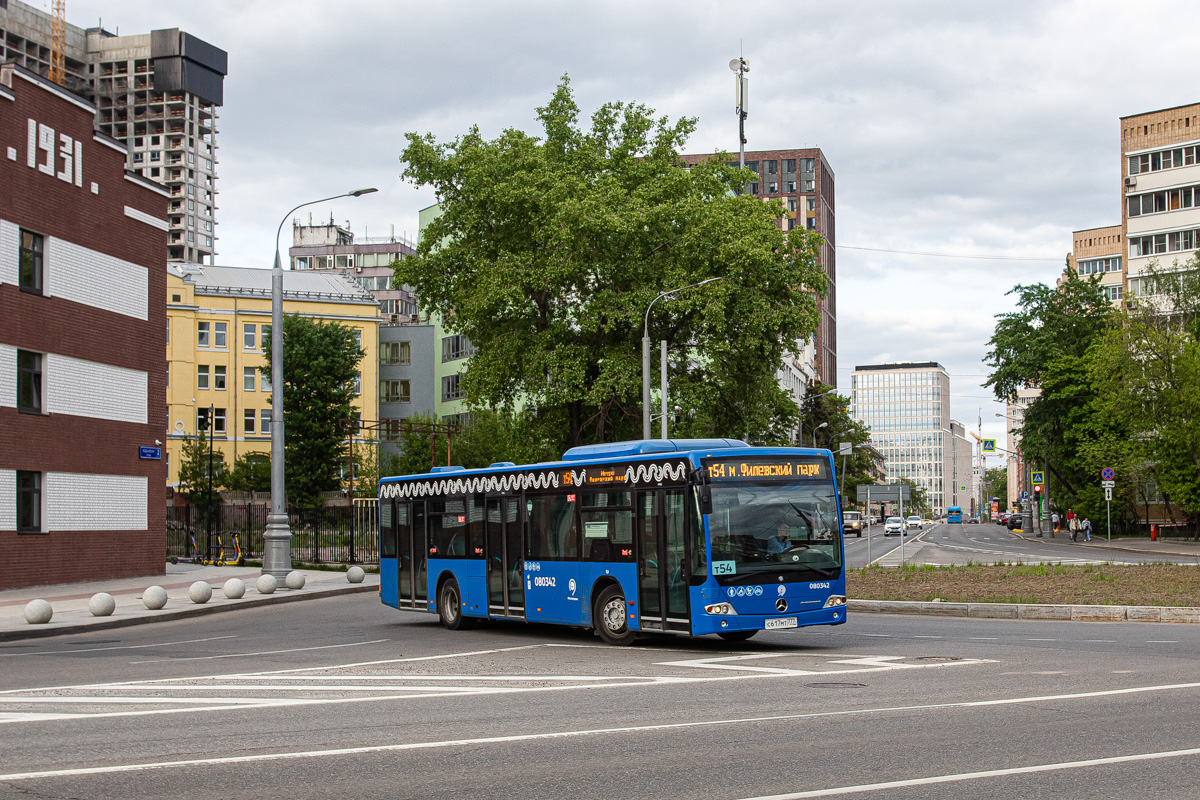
{"x":505,"y":576}
{"x":662,"y":560}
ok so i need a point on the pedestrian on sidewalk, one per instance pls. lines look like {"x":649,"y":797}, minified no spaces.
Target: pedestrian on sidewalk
{"x":1073,"y":524}
{"x":1054,"y":520}
{"x":1087,"y":529}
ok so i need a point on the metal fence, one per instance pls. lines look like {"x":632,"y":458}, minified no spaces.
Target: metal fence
{"x":329,"y":535}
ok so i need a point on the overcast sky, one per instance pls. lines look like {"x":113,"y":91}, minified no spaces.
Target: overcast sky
{"x":966,"y":128}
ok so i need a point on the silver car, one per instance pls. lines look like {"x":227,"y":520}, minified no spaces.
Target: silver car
{"x":894,"y":526}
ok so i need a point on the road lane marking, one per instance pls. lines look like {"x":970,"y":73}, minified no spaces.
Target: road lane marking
{"x":1162,"y":641}
{"x":114,"y":647}
{"x":1101,"y":641}
{"x":262,"y":653}
{"x":984,"y":638}
{"x":920,"y":636}
{"x":528,"y":737}
{"x":971,"y":776}
{"x":1041,"y":640}
{"x":848,"y":665}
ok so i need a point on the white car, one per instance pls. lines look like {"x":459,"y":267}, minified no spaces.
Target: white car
{"x":914,"y":522}
{"x":893,"y":525}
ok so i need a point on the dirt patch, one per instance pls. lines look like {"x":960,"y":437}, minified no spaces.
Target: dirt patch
{"x":1102,"y":584}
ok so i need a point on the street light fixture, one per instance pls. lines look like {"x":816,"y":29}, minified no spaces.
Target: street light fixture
{"x":814,"y":434}
{"x":277,"y":538}
{"x":646,"y":356}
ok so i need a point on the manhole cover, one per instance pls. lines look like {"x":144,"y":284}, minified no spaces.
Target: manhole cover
{"x":836,"y":685}
{"x":939,"y":658}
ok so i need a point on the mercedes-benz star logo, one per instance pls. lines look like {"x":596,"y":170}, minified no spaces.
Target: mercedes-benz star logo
{"x":781,"y":604}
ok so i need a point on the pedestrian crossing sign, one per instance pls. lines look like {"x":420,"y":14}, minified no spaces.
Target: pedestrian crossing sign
{"x":1037,"y":478}
{"x":989,"y":445}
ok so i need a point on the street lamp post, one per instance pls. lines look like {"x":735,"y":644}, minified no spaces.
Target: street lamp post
{"x":646,"y":355}
{"x":277,"y":538}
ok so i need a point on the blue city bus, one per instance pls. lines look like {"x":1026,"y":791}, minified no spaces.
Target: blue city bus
{"x":954,"y":514}
{"x":691,"y":536}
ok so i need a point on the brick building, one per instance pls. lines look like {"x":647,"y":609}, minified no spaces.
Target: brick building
{"x":83,"y":244}
{"x":803,"y":181}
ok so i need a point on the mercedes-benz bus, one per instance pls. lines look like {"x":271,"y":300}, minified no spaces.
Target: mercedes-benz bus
{"x":693,"y":537}
{"x":954,"y":514}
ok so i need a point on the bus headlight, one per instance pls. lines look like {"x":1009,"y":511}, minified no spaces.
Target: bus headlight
{"x":835,"y":600}
{"x":720,"y":608}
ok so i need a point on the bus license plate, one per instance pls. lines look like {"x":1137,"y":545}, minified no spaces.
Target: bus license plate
{"x":781,"y":622}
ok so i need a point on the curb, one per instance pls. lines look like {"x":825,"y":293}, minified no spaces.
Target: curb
{"x":1072,"y":613}
{"x":39,"y":632}
{"x":1148,"y":553}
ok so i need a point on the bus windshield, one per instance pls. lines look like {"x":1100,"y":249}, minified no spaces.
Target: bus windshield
{"x":759,"y":528}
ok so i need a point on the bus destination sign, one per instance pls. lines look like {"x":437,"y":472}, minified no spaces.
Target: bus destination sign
{"x":767,"y":469}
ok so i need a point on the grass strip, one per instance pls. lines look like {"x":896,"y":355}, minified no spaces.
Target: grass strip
{"x":1091,"y":584}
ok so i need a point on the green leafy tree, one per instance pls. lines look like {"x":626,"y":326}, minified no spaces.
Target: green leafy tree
{"x":251,"y":473}
{"x":550,"y":248}
{"x":487,"y":437}
{"x":320,"y":370}
{"x":1147,"y":373}
{"x":833,"y":411}
{"x":193,"y":472}
{"x":1046,"y":344}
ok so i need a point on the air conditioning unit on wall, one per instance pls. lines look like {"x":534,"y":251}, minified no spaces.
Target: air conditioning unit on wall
{"x":1130,"y":181}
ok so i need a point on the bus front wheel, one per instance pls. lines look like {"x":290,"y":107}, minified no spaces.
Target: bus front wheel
{"x":612,"y":618}
{"x":450,"y":607}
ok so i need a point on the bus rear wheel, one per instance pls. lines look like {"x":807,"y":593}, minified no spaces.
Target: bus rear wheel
{"x":736,"y":636}
{"x":611,"y":617}
{"x":450,"y":607}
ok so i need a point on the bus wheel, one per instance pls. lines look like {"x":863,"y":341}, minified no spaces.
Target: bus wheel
{"x":450,"y":607}
{"x":736,"y":636}
{"x":611,"y":617}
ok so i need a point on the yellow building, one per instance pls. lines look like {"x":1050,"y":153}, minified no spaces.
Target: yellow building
{"x":216,"y":317}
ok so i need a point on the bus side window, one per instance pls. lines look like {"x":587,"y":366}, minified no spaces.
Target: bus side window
{"x":475,"y":516}
{"x":387,"y":531}
{"x":552,"y":530}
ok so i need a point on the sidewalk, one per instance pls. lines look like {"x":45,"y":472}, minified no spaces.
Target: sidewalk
{"x":70,"y":600}
{"x":1172,"y":547}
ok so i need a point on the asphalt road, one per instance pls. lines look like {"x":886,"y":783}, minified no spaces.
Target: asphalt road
{"x":984,"y":543}
{"x":345,"y":698}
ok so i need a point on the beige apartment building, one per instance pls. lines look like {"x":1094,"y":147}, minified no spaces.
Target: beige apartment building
{"x":1160,"y":176}
{"x":1100,"y":251}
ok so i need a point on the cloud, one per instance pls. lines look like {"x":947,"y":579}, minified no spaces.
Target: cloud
{"x":951,"y":127}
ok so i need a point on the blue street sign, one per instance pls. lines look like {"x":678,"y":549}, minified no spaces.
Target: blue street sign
{"x":989,"y":445}
{"x":1037,"y":478}
{"x":1107,"y":474}
{"x":1024,"y":495}
{"x":150,"y":452}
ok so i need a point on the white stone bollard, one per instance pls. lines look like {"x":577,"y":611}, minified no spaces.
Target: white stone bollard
{"x":294,"y":580}
{"x":38,"y":612}
{"x":200,"y":592}
{"x":102,"y":604}
{"x":155,"y":597}
{"x":267,"y":584}
{"x":234,"y":588}
{"x":355,"y":574}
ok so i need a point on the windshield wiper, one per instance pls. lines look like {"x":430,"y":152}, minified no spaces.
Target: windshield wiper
{"x":828,"y":573}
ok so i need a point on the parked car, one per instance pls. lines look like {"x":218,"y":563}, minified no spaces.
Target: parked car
{"x":894,"y":526}
{"x":913,"y":522}
{"x":973,"y":520}
{"x":853,"y":522}
{"x":1013,"y":522}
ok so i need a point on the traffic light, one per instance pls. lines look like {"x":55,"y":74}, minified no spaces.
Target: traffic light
{"x":1037,"y":489}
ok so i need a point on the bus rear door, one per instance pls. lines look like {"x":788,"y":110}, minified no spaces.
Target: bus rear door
{"x":504,"y":551}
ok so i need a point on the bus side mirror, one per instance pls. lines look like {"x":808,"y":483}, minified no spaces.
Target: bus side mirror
{"x":706,"y":505}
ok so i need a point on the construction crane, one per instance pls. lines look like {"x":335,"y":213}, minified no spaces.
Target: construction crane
{"x":58,"y":42}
